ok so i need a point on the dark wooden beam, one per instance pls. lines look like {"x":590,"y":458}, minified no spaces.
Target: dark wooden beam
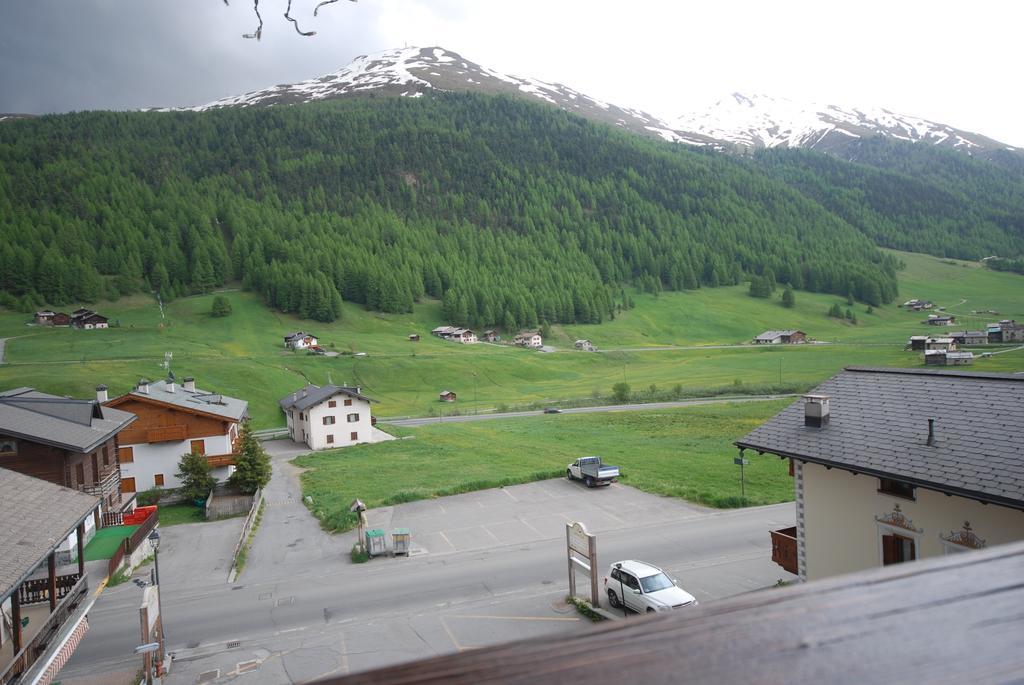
{"x":80,"y":536}
{"x":953,"y":619}
{"x":16,"y":619}
{"x":51,"y":579}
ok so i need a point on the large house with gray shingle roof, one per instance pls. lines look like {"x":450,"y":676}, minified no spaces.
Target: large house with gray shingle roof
{"x":328,"y":416}
{"x":176,"y":419}
{"x":893,"y":465}
{"x":69,"y":442}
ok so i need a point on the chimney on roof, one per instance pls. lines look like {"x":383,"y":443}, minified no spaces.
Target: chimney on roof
{"x":169,"y":385}
{"x":931,"y":432}
{"x":816,"y":410}
{"x":143,"y":386}
{"x":188,"y":383}
{"x":101,"y":393}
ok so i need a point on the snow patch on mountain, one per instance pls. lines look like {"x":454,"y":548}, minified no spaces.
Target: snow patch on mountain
{"x":761,"y":121}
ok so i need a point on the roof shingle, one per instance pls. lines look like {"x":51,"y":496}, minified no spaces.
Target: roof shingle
{"x":879,"y":425}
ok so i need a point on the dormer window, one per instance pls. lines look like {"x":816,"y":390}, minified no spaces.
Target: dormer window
{"x":8,"y":446}
{"x":895,"y":488}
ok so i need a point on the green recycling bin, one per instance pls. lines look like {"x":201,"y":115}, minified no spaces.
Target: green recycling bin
{"x":401,"y":540}
{"x":376,"y":543}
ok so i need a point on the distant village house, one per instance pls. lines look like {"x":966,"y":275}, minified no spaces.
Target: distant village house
{"x":490,"y":336}
{"x":455,"y":334}
{"x":446,"y":396}
{"x":585,"y":345}
{"x":87,"y":319}
{"x":528,"y":339}
{"x":934,"y":320}
{"x":786,"y":337}
{"x":970,"y":337}
{"x":300,"y":340}
{"x":948,"y":358}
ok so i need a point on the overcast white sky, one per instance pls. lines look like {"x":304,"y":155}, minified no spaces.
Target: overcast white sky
{"x":955,"y":63}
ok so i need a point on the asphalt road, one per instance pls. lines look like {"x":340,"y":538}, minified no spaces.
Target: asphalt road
{"x":301,"y":610}
{"x":587,"y":410}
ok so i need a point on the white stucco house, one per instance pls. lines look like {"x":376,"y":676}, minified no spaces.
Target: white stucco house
{"x":176,"y":419}
{"x":530,"y":339}
{"x":324,"y":417}
{"x":894,"y":465}
{"x":300,"y":340}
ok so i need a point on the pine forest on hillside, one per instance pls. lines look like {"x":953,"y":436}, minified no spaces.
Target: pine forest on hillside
{"x":511,"y":213}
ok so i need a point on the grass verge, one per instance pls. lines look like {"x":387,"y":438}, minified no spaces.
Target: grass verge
{"x":584,"y":608}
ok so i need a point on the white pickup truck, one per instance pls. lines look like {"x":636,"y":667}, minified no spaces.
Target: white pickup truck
{"x":592,"y":472}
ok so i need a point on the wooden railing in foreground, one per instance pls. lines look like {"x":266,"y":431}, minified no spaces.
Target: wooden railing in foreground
{"x":23,"y":660}
{"x":956,"y":619}
{"x":784,"y":549}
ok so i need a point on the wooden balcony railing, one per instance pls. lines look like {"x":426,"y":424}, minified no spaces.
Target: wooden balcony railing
{"x":218,"y":460}
{"x":110,"y":482}
{"x":784,"y":549}
{"x":952,"y":619}
{"x":36,"y":647}
{"x":112,"y":518}
{"x":37,"y":590}
{"x":133,"y":436}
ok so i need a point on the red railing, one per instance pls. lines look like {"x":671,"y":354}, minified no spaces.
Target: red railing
{"x":130,"y":544}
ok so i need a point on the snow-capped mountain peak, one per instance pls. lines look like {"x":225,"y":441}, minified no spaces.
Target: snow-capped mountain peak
{"x":761,"y":121}
{"x":413,"y":71}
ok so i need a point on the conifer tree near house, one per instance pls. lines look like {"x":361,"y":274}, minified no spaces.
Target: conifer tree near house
{"x":194,"y":473}
{"x":252,"y":467}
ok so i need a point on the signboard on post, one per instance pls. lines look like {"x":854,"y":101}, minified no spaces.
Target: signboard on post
{"x":580,"y":543}
{"x":149,"y":621}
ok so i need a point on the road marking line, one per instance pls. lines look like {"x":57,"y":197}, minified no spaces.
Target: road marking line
{"x":344,"y":655}
{"x":516,"y":618}
{"x":451,"y":636}
{"x":441,"y":533}
{"x":527,"y":524}
{"x":488,"y":531}
{"x":505,"y":490}
{"x":101,"y":586}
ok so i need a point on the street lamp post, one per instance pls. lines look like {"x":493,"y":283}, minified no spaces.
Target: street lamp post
{"x":622,"y":593}
{"x":154,"y":539}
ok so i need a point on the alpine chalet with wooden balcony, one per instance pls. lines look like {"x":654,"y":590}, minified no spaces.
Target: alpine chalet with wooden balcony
{"x":71,"y":443}
{"x":894,"y":465}
{"x":174,"y":420}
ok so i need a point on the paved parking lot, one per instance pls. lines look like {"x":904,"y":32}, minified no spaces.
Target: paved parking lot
{"x":521,"y":514}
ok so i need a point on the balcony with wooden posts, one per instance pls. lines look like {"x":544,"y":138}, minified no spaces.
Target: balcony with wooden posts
{"x":40,"y":608}
{"x":109,"y":482}
{"x":784,"y":549}
{"x":952,"y":619}
{"x":230,"y":459}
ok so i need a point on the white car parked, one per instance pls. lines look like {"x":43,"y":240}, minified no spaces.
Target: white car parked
{"x":644,"y":588}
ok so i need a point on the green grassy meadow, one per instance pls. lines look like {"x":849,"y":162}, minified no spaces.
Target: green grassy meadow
{"x":242,"y":355}
{"x":683,"y":453}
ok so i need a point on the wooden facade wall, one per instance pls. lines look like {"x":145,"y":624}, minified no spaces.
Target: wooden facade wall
{"x":61,"y":466}
{"x":162,"y":422}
